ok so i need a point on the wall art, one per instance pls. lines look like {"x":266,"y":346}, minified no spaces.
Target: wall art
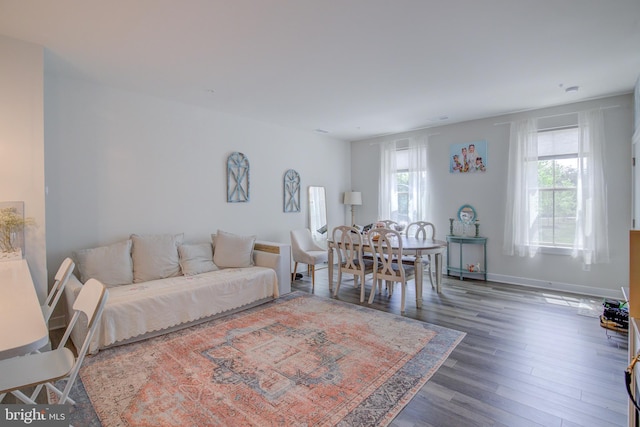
{"x":468,"y":157}
{"x":291,"y":191}
{"x":237,"y":178}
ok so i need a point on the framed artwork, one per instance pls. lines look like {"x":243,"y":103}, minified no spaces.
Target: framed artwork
{"x":237,"y":178}
{"x":291,"y":191}
{"x":470,"y":157}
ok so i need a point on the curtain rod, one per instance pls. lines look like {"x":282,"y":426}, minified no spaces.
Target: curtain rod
{"x":559,"y":115}
{"x":400,"y":139}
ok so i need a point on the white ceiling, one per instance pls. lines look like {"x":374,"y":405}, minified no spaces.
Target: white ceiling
{"x":355,"y":68}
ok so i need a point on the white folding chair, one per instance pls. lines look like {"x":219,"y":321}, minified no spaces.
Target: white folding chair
{"x":60,"y":281}
{"x":38,"y":369}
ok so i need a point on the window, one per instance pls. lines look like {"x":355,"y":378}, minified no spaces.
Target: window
{"x":556,"y":191}
{"x":557,"y":187}
{"x":402,"y":188}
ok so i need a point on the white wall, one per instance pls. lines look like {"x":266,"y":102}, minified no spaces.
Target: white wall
{"x":119,"y":162}
{"x":22,"y":145}
{"x":486,"y":192}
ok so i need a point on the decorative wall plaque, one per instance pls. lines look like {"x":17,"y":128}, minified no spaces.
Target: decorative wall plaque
{"x":291,"y":191}
{"x":237,"y":178}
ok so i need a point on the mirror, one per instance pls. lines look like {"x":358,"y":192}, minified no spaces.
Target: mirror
{"x":467,"y":214}
{"x":318,"y":213}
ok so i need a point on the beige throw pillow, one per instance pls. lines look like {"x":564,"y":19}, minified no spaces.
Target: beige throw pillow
{"x":109,"y":264}
{"x":232,"y":250}
{"x":196,"y":259}
{"x":155,"y":256}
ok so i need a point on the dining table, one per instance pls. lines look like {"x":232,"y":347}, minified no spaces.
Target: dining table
{"x":416,"y":246}
{"x":22,"y":325}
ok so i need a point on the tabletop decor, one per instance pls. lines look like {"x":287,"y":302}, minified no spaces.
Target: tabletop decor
{"x":12,"y":226}
{"x":300,"y":360}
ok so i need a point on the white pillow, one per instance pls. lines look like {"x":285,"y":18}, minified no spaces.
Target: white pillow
{"x":231,"y":250}
{"x":155,"y":256}
{"x":109,"y":264}
{"x":196,"y":259}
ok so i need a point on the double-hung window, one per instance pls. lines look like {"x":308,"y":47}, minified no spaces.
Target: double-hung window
{"x":556,"y":192}
{"x":557,"y":188}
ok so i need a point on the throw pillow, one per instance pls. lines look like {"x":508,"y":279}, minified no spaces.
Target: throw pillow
{"x":232,"y":250}
{"x":196,"y":259}
{"x":109,"y":264}
{"x":155,"y":256}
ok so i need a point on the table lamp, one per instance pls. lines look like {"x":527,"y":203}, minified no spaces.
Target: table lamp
{"x":353,"y":198}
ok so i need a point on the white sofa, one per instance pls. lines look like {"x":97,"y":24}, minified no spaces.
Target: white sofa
{"x":158,"y":284}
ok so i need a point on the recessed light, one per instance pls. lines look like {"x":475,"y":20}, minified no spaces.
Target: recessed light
{"x":572,"y":89}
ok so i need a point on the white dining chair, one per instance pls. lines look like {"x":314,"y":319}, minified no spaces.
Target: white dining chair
{"x":387,"y":263}
{"x":348,"y":243}
{"x":43,"y":369}
{"x":421,"y":230}
{"x":60,"y":281}
{"x":306,"y":251}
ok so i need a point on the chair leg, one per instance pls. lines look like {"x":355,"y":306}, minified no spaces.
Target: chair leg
{"x":295,"y":268}
{"x":362,"y":289}
{"x":430,"y":273}
{"x":313,"y":278}
{"x":402,"y":297}
{"x":335,"y":292}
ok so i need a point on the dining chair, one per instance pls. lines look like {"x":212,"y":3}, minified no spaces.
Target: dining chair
{"x":421,"y":230}
{"x":348,"y":243}
{"x":60,"y":281}
{"x":387,"y":263}
{"x":306,"y":251}
{"x":388,"y":223}
{"x":47,"y":367}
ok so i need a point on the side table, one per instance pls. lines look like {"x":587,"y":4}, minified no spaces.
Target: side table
{"x":461,"y":269}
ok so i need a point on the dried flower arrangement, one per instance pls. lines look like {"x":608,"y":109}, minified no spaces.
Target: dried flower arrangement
{"x":11,"y":223}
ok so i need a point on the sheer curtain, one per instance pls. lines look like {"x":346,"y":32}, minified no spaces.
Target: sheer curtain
{"x":418,"y":196}
{"x":520,"y":226}
{"x":592,"y":224}
{"x":388,"y":184}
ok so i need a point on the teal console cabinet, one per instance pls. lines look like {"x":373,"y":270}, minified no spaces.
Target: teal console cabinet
{"x":461,"y":266}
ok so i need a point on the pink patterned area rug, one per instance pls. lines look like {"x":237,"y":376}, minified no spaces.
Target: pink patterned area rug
{"x":299,"y":361}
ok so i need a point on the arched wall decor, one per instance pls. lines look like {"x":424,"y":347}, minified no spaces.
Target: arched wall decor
{"x":291,"y":191}
{"x":237,"y":178}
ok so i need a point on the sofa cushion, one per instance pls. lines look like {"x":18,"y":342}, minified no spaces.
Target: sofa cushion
{"x":109,"y":264}
{"x":232,"y":250}
{"x":155,"y":256}
{"x":196,"y":259}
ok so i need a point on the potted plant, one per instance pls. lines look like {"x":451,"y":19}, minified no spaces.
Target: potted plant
{"x":12,"y":224}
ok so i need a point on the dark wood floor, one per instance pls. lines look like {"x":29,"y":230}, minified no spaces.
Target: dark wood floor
{"x":529,"y":358}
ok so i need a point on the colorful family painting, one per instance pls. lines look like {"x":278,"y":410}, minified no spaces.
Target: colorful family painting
{"x":468,"y":157}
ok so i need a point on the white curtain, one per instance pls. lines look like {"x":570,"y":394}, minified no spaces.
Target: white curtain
{"x":521,"y":229}
{"x":388,"y":185}
{"x":418,"y":196}
{"x":592,"y":233}
{"x":520,"y":226}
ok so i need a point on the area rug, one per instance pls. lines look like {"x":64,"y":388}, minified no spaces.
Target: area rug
{"x":301,"y":360}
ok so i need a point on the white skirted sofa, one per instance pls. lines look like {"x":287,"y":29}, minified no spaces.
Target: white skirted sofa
{"x":158,"y":284}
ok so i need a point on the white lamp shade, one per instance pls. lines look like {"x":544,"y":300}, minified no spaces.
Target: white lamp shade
{"x":352,"y":198}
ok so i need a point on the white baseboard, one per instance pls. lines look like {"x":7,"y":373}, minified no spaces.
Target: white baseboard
{"x":57,"y":322}
{"x":556,"y":286}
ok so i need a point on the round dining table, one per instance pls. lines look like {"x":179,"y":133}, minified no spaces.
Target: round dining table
{"x":415,"y":246}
